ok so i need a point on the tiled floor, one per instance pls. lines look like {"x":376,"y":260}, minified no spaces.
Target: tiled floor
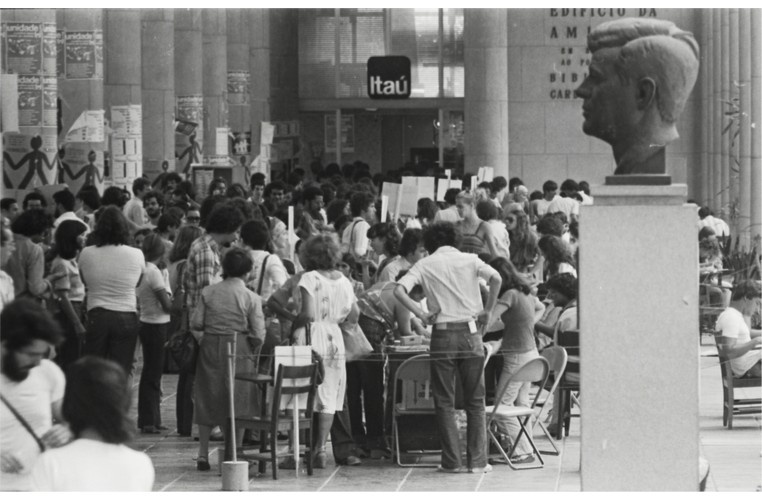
{"x":735,"y":457}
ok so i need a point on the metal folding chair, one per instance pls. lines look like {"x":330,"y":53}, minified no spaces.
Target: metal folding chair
{"x":534,"y":371}
{"x":556,"y":357}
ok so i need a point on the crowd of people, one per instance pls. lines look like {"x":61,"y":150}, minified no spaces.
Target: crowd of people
{"x":88,"y":282}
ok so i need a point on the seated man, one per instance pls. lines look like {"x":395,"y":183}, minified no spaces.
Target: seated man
{"x":739,"y":341}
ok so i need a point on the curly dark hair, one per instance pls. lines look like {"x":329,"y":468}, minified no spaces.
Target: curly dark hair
{"x":391,"y":236}
{"x":208,"y":205}
{"x":23,"y":321}
{"x":550,"y":225}
{"x":359,"y":203}
{"x":426,"y":209}
{"x":335,"y":209}
{"x":410,"y":240}
{"x":486,"y":210}
{"x":236,"y":263}
{"x":98,"y":397}
{"x":556,"y":252}
{"x":113,"y":195}
{"x":563,"y":283}
{"x":30,"y":223}
{"x":255,"y":234}
{"x":111,"y":228}
{"x":440,"y":234}
{"x":185,"y":238}
{"x":320,"y":252}
{"x":224,"y":219}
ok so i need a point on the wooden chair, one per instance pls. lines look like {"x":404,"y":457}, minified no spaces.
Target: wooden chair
{"x":303,"y":380}
{"x":568,"y":389}
{"x":534,"y":371}
{"x":557,"y":358}
{"x":731,"y":405}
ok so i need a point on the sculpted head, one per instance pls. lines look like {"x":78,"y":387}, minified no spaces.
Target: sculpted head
{"x":641,"y":74}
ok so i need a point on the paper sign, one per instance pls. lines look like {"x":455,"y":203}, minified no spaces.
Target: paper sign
{"x":268,"y":131}
{"x":448,"y":173}
{"x":474,"y":183}
{"x":221,"y":141}
{"x":391,"y":191}
{"x":127,"y":119}
{"x":485,"y":174}
{"x":296,"y":355}
{"x":88,"y":127}
{"x":384,"y":207}
{"x":409,"y":198}
{"x":445,"y":185}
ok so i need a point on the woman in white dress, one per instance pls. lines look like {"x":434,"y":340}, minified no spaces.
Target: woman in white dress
{"x":327,"y":299}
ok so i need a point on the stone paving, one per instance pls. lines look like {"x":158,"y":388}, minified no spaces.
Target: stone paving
{"x":735,"y":457}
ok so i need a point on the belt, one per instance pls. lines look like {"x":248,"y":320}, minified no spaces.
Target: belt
{"x":452,"y":325}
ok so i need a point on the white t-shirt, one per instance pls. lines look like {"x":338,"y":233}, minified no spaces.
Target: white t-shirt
{"x":541,"y":205}
{"x":732,"y":324}
{"x":569,"y":206}
{"x":449,"y":214}
{"x":32,"y":398}
{"x":275,"y":273}
{"x":87,"y":465}
{"x":135,"y":212}
{"x":356,"y":236}
{"x":111,"y":274}
{"x":150,"y":308}
{"x":501,"y":238}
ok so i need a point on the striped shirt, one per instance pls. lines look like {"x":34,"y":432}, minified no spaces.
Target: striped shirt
{"x":203,"y":268}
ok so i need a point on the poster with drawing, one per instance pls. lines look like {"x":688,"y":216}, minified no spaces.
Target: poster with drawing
{"x":79,"y":165}
{"x":84,"y":55}
{"x":23,"y":48}
{"x":238,"y":87}
{"x":29,"y":161}
{"x":347,"y":133}
{"x":189,"y":147}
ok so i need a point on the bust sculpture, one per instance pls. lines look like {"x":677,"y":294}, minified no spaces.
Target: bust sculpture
{"x":640,"y":76}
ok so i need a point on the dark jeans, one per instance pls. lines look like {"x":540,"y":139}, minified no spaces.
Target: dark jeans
{"x":152,"y":339}
{"x":184,"y":403}
{"x":342,"y":443}
{"x":365,"y":386}
{"x":71,"y":348}
{"x":112,"y":335}
{"x":457,"y":350}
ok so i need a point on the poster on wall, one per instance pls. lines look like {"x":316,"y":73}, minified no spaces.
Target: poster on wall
{"x":23,"y":48}
{"x":84,"y":55}
{"x":238,"y":87}
{"x":88,"y":127}
{"x":29,"y":161}
{"x":189,"y":147}
{"x":49,"y":48}
{"x":126,"y":143}
{"x":79,"y":165}
{"x":347,"y":133}
{"x":30,"y":100}
{"x":49,"y":101}
{"x":60,"y":53}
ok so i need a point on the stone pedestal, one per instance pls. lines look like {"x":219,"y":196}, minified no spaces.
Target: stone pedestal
{"x":639,"y":340}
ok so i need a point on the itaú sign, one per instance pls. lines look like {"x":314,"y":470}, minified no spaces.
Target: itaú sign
{"x":389,"y":77}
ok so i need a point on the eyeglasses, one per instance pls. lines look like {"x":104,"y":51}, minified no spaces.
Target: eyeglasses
{"x":193,"y":219}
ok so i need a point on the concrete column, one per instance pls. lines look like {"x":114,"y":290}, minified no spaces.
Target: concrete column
{"x":239,"y":76}
{"x":744,"y":143}
{"x":33,"y":153}
{"x":708,"y":59}
{"x":122,"y":64}
{"x":189,"y":86}
{"x":716,"y":196}
{"x":701,"y":175}
{"x":733,"y":146}
{"x":259,"y":62}
{"x":639,"y":369}
{"x":727,"y":55}
{"x":756,"y":117}
{"x":486,"y":90}
{"x":79,"y":93}
{"x":284,"y":63}
{"x":158,"y":36}
{"x":215,"y":78}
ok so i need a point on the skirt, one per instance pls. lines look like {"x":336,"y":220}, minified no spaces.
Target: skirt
{"x":212,"y":388}
{"x":328,"y":341}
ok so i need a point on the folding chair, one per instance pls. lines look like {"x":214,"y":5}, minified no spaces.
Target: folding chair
{"x":534,"y":371}
{"x":569,"y":387}
{"x":556,"y":357}
{"x":412,"y":373}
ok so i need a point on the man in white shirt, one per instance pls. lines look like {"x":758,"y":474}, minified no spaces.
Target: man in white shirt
{"x":740,"y":342}
{"x":33,"y":386}
{"x":355,"y":237}
{"x":707,"y":219}
{"x":450,"y":280}
{"x":133,"y":210}
{"x":567,"y":204}
{"x":449,"y":214}
{"x":538,"y":208}
{"x":65,"y":202}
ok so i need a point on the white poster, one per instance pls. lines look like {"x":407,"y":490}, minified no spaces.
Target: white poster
{"x":88,"y":127}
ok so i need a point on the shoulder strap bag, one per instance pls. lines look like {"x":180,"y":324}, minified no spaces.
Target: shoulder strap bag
{"x":24,"y":423}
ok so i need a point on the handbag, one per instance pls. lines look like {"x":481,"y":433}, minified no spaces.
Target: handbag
{"x":183,"y":348}
{"x":316,"y":358}
{"x":356,"y":345}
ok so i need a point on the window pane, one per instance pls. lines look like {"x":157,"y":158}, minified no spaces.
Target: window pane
{"x":452,"y":53}
{"x":316,"y":53}
{"x":415,"y":34}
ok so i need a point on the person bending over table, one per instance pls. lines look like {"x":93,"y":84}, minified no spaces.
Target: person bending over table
{"x":450,"y":280}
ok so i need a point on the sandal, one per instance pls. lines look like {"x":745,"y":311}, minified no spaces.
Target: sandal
{"x":523,"y":459}
{"x":202,"y":464}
